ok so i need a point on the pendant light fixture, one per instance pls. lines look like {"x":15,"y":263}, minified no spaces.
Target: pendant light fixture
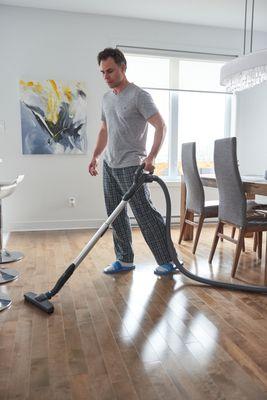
{"x":247,"y":70}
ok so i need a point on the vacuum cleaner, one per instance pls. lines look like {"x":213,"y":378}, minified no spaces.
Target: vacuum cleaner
{"x":42,"y":300}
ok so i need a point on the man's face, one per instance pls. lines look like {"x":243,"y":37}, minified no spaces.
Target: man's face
{"x":112,"y":72}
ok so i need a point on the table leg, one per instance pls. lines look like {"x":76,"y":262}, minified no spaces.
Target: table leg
{"x":250,"y":196}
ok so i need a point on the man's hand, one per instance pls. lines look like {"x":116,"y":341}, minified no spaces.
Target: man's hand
{"x":92,"y":167}
{"x":149,"y":164}
{"x":100,"y":145}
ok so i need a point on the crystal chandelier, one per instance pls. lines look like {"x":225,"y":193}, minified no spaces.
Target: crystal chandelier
{"x":248,"y":70}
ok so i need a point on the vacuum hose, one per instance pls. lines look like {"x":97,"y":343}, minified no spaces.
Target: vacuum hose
{"x":180,"y":267}
{"x":42,"y":301}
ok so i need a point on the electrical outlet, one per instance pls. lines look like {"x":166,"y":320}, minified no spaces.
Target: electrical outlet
{"x":72,"y":201}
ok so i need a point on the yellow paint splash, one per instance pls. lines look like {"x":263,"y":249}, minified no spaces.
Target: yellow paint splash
{"x":53,"y":104}
{"x":55,"y":88}
{"x":67,"y":92}
{"x":54,"y":98}
{"x":35,"y":86}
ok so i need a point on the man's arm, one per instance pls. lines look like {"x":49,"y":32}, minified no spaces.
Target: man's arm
{"x":160,"y":131}
{"x":100,"y":146}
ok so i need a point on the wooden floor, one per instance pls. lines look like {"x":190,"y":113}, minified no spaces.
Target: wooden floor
{"x":131,"y":336}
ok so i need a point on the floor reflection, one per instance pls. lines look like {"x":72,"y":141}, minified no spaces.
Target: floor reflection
{"x":141,"y":290}
{"x":160,"y":319}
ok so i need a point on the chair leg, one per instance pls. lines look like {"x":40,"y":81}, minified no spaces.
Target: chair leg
{"x":183,"y":227}
{"x":255,"y":241}
{"x":233,"y":232}
{"x":243,"y":246}
{"x":219,"y":229}
{"x":199,"y":228}
{"x":259,"y":245}
{"x":239,"y":246}
{"x":221,"y":237}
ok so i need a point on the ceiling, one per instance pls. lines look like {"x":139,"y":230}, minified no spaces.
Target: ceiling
{"x":223,"y":13}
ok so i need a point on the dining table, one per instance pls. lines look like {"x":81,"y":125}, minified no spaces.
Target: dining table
{"x":253,"y":185}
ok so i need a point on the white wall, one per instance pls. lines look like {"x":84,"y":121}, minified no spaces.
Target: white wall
{"x":251,"y":125}
{"x":40,"y":44}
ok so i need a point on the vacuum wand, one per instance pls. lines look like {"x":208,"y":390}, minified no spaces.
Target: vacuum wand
{"x":42,"y":300}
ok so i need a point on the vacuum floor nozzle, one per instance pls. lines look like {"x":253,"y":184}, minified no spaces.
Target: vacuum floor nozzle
{"x":44,"y":305}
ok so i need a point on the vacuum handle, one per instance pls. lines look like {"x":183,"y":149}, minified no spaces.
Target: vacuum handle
{"x":138,"y":173}
{"x":138,"y":181}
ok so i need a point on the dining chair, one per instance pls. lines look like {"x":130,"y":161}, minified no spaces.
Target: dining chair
{"x":232,"y":201}
{"x":195,"y":196}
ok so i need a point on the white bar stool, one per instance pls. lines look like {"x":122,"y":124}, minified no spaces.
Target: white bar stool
{"x":5,"y":301}
{"x":6,"y":274}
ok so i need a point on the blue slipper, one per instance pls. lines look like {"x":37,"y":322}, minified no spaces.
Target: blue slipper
{"x":165,"y":269}
{"x":116,"y":267}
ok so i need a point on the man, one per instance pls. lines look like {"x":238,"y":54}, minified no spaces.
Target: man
{"x":126,"y":112}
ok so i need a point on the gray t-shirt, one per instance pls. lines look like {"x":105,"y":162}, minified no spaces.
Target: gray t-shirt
{"x":125,"y":115}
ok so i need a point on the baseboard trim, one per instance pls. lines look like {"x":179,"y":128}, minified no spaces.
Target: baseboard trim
{"x":71,"y":224}
{"x":54,"y":225}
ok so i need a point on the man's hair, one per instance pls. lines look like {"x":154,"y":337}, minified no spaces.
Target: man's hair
{"x":116,"y":54}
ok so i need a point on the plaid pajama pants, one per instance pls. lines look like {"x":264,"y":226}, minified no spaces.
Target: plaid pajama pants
{"x":116,"y":182}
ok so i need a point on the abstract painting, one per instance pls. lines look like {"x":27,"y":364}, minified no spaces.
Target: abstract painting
{"x":53,"y":117}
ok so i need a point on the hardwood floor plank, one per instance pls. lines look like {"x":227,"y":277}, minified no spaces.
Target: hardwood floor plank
{"x":80,"y":388}
{"x":125,"y":390}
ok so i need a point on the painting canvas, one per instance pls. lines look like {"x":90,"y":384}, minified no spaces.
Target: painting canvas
{"x":53,"y":117}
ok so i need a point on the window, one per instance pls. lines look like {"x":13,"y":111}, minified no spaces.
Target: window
{"x":193,"y":104}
